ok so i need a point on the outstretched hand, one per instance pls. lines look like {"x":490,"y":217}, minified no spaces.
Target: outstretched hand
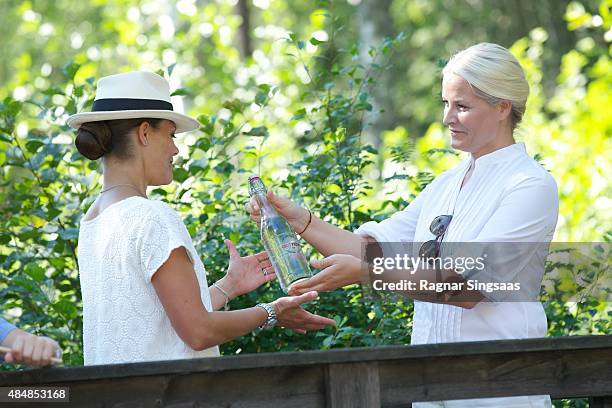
{"x":337,"y":270}
{"x":246,"y":273}
{"x":290,"y":314}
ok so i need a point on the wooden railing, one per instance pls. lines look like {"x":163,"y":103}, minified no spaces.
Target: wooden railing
{"x":567,"y":367}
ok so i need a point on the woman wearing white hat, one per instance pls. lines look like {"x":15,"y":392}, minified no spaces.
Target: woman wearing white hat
{"x":144,"y":288}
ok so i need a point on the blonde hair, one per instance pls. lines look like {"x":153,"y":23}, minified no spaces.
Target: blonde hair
{"x":494,"y":74}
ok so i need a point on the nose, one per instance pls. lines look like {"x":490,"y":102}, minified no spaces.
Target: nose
{"x":449,"y":116}
{"x":175,"y":150}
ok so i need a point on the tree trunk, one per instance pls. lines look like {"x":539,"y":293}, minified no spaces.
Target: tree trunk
{"x":244,"y":31}
{"x":374,"y":25}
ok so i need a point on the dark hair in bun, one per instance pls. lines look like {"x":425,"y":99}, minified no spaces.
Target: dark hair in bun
{"x":109,"y":137}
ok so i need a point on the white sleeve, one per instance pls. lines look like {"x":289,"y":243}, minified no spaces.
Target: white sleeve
{"x":527,"y":213}
{"x":159,"y":235}
{"x":515,"y":239}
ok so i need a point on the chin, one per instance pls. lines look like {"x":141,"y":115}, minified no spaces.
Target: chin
{"x":162,"y":182}
{"x":457,"y":144}
{"x":461,"y":145}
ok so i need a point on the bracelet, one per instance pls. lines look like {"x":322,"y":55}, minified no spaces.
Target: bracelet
{"x":227,"y":298}
{"x":307,"y":224}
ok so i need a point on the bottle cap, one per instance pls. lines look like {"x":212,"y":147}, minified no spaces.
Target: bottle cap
{"x":256,"y":186}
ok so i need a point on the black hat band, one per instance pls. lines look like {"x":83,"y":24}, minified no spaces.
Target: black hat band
{"x":119,"y":104}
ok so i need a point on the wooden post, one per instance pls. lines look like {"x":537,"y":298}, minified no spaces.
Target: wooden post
{"x":353,"y":385}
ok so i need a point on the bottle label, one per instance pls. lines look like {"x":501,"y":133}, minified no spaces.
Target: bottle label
{"x":291,"y":247}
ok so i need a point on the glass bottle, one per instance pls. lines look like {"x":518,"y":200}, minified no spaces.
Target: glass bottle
{"x":279,"y":240}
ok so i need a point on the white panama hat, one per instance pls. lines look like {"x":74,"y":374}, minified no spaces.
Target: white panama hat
{"x":133,"y":95}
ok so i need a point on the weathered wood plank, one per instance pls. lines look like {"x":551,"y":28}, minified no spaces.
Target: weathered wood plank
{"x":304,"y":358}
{"x":563,"y":368}
{"x":560,"y":374}
{"x":353,"y":385}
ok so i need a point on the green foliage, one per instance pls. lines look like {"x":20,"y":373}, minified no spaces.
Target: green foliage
{"x":297,"y":112}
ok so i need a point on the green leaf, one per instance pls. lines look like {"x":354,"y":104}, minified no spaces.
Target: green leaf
{"x":181,"y":91}
{"x":261,"y":98}
{"x":180,"y":174}
{"x":32,"y":146}
{"x":257,"y":131}
{"x":171,"y":69}
{"x":69,"y":233}
{"x":35,"y":271}
{"x":70,"y":70}
{"x":314,"y":41}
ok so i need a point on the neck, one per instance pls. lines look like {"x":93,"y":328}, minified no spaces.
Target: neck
{"x":127,"y":173}
{"x":504,"y":139}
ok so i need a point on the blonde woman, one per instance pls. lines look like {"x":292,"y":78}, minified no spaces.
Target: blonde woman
{"x":497,"y":195}
{"x":144,"y":287}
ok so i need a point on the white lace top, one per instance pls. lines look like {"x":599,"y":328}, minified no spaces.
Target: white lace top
{"x":119,"y":252}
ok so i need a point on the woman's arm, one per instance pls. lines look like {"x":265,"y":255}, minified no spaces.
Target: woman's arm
{"x":340,"y":270}
{"x":179,"y":292}
{"x":325,"y":237}
{"x":329,"y":239}
{"x":244,"y":274}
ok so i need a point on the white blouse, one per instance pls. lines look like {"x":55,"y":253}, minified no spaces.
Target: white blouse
{"x":119,"y":252}
{"x":508,"y":198}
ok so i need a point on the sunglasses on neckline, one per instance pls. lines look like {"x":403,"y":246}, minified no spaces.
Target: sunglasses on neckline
{"x":438,"y":227}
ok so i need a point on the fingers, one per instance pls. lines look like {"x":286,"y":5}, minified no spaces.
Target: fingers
{"x":252,"y":207}
{"x":262,"y":256}
{"x":48,"y":352}
{"x":323,"y":263}
{"x":307,"y":285}
{"x":272,"y":198}
{"x":32,"y":350}
{"x":318,"y":321}
{"x":304,"y":298}
{"x":9,"y":358}
{"x":28,"y":350}
{"x":307,"y":321}
{"x":233,"y":252}
{"x":37,"y":352}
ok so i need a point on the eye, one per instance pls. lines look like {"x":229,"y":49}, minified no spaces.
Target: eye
{"x":172,"y":135}
{"x":462,"y":107}
{"x":444,"y":102}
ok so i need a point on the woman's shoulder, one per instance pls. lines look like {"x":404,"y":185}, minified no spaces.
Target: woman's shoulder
{"x":530,"y":170}
{"x":448,"y":175}
{"x":144,"y":210}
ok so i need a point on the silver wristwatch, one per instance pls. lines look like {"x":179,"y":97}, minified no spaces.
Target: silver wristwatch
{"x":271,"y":321}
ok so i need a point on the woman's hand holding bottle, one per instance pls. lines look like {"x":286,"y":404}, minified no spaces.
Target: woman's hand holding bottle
{"x":296,"y":215}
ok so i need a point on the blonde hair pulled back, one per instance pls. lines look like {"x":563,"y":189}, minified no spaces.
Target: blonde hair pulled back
{"x":494,"y":74}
